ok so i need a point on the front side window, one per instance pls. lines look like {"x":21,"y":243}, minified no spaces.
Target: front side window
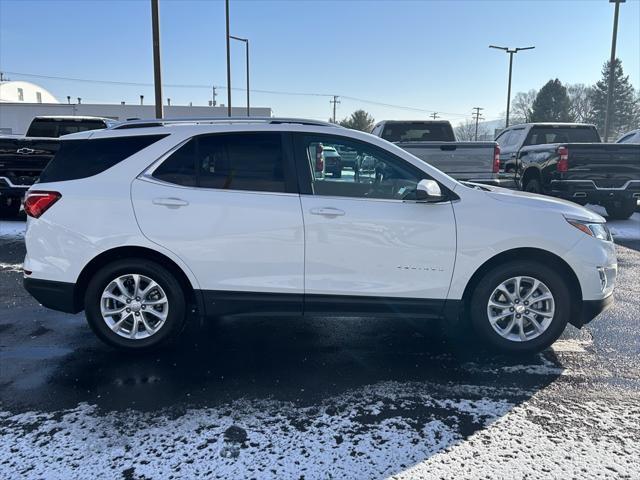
{"x":245,"y":161}
{"x":373,"y":173}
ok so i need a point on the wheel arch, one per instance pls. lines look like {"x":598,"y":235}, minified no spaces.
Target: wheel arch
{"x":535,"y":254}
{"x":119,"y":253}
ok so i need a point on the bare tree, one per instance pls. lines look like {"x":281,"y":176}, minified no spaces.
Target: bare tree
{"x":580,"y":105}
{"x":522,"y":106}
{"x":466,"y":131}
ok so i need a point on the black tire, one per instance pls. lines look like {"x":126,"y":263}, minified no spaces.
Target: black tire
{"x":621,"y":210}
{"x":175,"y":318}
{"x":484,"y":289}
{"x":533,"y":186}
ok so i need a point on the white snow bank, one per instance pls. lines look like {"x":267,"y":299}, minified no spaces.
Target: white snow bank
{"x":12,"y":229}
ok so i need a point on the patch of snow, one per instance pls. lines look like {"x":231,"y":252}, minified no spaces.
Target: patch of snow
{"x":623,"y":229}
{"x":11,"y":267}
{"x":12,"y":229}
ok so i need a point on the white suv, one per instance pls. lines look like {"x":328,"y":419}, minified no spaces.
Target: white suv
{"x":143,"y":222}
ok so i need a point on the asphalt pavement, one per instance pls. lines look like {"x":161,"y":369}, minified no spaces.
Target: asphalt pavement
{"x":316,"y":398}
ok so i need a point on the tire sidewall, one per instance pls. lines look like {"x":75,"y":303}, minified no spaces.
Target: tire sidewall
{"x":175,"y":319}
{"x":480,"y":298}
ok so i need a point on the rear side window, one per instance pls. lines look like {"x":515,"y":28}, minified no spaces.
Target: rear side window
{"x":247,"y":161}
{"x":87,"y":157}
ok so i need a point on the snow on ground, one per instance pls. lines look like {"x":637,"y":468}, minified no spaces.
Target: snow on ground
{"x":387,"y":430}
{"x":12,"y":229}
{"x":621,"y":229}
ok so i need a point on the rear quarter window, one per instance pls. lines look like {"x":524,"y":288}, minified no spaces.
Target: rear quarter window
{"x":87,"y":157}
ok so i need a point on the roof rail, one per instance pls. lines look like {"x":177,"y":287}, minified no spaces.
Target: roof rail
{"x":218,"y":120}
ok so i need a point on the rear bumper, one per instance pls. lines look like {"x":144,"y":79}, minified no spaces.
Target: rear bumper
{"x":586,"y":191}
{"x":591,"y":309}
{"x":54,"y":295}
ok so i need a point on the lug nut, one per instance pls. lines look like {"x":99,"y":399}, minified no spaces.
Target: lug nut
{"x":144,"y":306}
{"x":137,"y":313}
{"x":128,"y":300}
{"x":517,"y":301}
{"x":511,"y":309}
{"x":526,"y":311}
{"x":526,"y":303}
{"x":138,"y":299}
{"x":128,"y":309}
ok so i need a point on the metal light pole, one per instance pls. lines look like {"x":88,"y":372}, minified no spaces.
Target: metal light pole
{"x":226,"y":5}
{"x":246,"y":44}
{"x":157,"y":79}
{"x":510,"y":51}
{"x":607,"y":113}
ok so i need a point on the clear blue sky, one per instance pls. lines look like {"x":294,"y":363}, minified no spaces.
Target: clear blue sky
{"x":431,"y":54}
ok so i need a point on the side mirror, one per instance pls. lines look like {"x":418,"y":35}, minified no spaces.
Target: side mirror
{"x":429,"y":191}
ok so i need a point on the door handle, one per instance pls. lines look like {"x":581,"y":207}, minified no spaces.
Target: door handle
{"x":327,"y":212}
{"x":170,"y":202}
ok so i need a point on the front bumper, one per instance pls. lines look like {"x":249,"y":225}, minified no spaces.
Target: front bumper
{"x":591,"y":309}
{"x":585,"y":191}
{"x":54,"y":295}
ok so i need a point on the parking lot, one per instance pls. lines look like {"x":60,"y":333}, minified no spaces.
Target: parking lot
{"x":319,"y":398}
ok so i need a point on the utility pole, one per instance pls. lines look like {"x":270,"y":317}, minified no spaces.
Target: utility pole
{"x":434,"y":115}
{"x":213,"y":95}
{"x":510,"y":51}
{"x":476,"y":116}
{"x":226,"y":5}
{"x":335,"y":101}
{"x":246,"y":44}
{"x":610,"y":87}
{"x":157,"y":77}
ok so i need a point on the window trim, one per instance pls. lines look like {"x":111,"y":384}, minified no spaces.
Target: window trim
{"x":288,"y":166}
{"x":305,"y":178}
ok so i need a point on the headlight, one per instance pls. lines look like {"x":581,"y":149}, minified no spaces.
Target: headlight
{"x":597,"y":230}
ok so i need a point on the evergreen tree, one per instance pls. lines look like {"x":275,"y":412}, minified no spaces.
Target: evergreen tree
{"x":359,"y":120}
{"x":551,"y":103}
{"x":624,"y":103}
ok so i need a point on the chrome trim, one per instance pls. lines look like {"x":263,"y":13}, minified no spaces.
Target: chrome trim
{"x":13,"y":185}
{"x":624,"y":187}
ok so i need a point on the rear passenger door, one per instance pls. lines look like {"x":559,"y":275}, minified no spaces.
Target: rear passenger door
{"x":227,"y":205}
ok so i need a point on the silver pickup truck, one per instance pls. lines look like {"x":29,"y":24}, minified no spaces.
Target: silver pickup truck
{"x":434,"y":142}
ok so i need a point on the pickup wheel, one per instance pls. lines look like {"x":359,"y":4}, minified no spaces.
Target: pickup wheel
{"x":135,"y":305}
{"x":520,"y":307}
{"x":533,"y":186}
{"x":621,"y":210}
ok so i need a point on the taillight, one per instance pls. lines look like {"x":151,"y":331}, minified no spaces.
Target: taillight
{"x":319,"y":162}
{"x":563,"y":159}
{"x":38,"y":202}
{"x":496,"y":159}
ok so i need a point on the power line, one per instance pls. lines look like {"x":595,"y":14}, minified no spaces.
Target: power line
{"x":270,"y":92}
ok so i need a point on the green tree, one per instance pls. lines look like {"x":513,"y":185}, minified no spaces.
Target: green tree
{"x":624,"y":102}
{"x":551,"y":103}
{"x":359,"y":120}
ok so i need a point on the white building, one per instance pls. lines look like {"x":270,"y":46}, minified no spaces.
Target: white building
{"x":17,"y":110}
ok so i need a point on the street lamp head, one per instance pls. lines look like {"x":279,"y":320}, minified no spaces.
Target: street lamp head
{"x":523,"y":48}
{"x":499,"y":48}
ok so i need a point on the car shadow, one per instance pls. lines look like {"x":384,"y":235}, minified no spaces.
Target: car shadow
{"x":356,"y":372}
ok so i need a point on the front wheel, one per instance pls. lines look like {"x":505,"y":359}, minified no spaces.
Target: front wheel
{"x":621,"y":210}
{"x":135,"y":304}
{"x":520,"y":307}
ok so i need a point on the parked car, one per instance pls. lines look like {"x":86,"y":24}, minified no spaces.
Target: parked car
{"x":23,"y":158}
{"x":332,"y":161}
{"x":141,"y":223}
{"x":434,"y":142}
{"x":568,"y":160}
{"x":630,"y":137}
{"x":349,"y":158}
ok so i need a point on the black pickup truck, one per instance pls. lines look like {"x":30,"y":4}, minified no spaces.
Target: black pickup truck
{"x":22,"y":159}
{"x":568,"y":160}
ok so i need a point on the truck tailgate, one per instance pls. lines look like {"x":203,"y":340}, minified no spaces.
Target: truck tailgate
{"x":461,"y":160}
{"x":609,"y":165}
{"x":23,"y":159}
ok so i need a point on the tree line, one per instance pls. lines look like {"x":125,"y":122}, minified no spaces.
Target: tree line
{"x":556,"y":102}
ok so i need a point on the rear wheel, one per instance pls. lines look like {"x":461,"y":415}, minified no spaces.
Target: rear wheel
{"x":533,"y":186}
{"x":135,"y":304}
{"x":621,"y":210}
{"x":520,"y":307}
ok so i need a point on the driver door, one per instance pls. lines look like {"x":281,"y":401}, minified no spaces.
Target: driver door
{"x":370,"y":247}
